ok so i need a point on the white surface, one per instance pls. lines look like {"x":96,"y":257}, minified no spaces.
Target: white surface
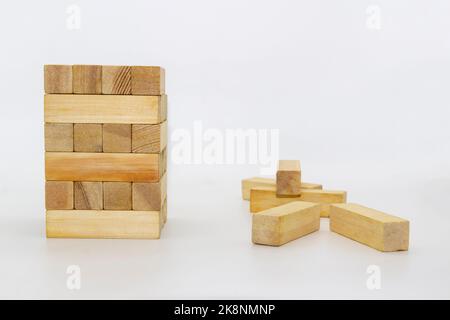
{"x":365,"y":111}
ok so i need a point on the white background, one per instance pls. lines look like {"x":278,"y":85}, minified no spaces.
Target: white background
{"x":365,"y":110}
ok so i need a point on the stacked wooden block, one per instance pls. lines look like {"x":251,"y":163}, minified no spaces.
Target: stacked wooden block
{"x":287,"y":208}
{"x":105,"y":151}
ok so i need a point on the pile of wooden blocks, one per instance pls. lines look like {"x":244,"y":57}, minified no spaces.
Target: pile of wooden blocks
{"x":286,"y":208}
{"x":105,"y":151}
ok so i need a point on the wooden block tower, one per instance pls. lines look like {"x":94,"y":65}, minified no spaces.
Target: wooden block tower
{"x":105,"y":151}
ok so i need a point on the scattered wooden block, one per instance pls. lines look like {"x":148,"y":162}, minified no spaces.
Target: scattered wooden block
{"x":103,"y":224}
{"x":59,"y":195}
{"x":149,"y":196}
{"x":87,"y":79}
{"x":288,"y":178}
{"x":59,"y":137}
{"x":147,"y":80}
{"x":88,"y":195}
{"x":248,"y":184}
{"x":263,"y":198}
{"x":58,"y":78}
{"x":117,"y":195}
{"x":116,"y":80}
{"x":374,"y":228}
{"x":87,"y":137}
{"x":149,"y":138}
{"x":116,"y":137}
{"x":279,"y":225}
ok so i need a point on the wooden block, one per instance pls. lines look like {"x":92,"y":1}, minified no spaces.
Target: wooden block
{"x":116,"y":80}
{"x":57,"y":78}
{"x":88,"y":195}
{"x":149,"y":196}
{"x":255,"y":182}
{"x":117,"y":195}
{"x":78,"y":166}
{"x":149,"y":138}
{"x":103,"y":224}
{"x":374,"y":228}
{"x":59,"y":137}
{"x":87,"y":137}
{"x":164,"y":211}
{"x":288,"y":178}
{"x":147,"y":80}
{"x":116,"y":137}
{"x":58,"y":195}
{"x":279,"y":225}
{"x":263,"y":198}
{"x":72,"y":108}
{"x":163,"y":162}
{"x":87,"y":79}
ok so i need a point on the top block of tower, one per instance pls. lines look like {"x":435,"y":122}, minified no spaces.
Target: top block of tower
{"x":288,"y":178}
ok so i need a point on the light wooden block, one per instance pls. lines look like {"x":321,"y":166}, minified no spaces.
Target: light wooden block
{"x":88,"y":137}
{"x":103,"y":224}
{"x":288,"y":178}
{"x":263,"y":198}
{"x":72,"y":108}
{"x":59,"y":137}
{"x":255,"y":182}
{"x":117,"y":196}
{"x":58,"y":79}
{"x":116,"y":80}
{"x":116,"y":137}
{"x":149,"y":196}
{"x":78,"y":166}
{"x":58,"y":195}
{"x":374,"y":228}
{"x":87,"y":79}
{"x":279,"y":225}
{"x":88,"y":195}
{"x":149,"y":138}
{"x":147,"y":80}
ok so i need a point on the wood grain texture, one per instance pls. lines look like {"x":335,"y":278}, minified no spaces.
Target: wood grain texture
{"x":288,"y":178}
{"x":147,"y":80}
{"x":116,"y":80}
{"x":58,"y":195}
{"x":78,"y":166}
{"x":116,"y":137}
{"x":373,"y":228}
{"x":104,"y":109}
{"x":263,"y":198}
{"x":87,"y":137}
{"x":58,"y":79}
{"x":117,"y":196}
{"x":149,"y":138}
{"x":248,"y":184}
{"x":59,"y":137}
{"x":88,"y":195}
{"x":87,"y":79}
{"x":149,"y":196}
{"x":279,"y":225}
{"x":103,"y":224}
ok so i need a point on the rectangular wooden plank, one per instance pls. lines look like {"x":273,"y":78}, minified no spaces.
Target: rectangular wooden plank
{"x":248,"y":184}
{"x":88,"y":195}
{"x":116,"y":80}
{"x":87,"y":137}
{"x":282,"y":224}
{"x":73,"y":108}
{"x":117,"y":196}
{"x":116,"y":137}
{"x":87,"y":79}
{"x":149,"y":195}
{"x":288,"y":178}
{"x":147,"y":80}
{"x":59,"y":137}
{"x":59,"y":195}
{"x":80,"y":166}
{"x":371,"y":227}
{"x":149,"y":138}
{"x":103,"y":224}
{"x":58,"y":79}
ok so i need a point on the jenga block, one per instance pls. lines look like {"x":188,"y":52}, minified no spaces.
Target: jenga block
{"x":116,"y":137}
{"x":117,"y":195}
{"x":59,"y":195}
{"x":87,"y":79}
{"x":279,"y":225}
{"x":116,"y":80}
{"x":103,"y":224}
{"x":149,"y":138}
{"x":59,"y":137}
{"x":256,"y":182}
{"x":78,"y":166}
{"x":87,"y":137}
{"x":376,"y":229}
{"x":288,"y":178}
{"x":88,"y":195}
{"x":264,"y":198}
{"x":104,"y":109}
{"x":149,"y":196}
{"x":147,"y":80}
{"x":58,"y":79}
